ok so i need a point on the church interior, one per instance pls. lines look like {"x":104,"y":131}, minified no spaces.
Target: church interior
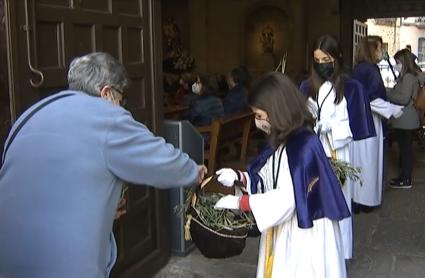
{"x":166,"y":45}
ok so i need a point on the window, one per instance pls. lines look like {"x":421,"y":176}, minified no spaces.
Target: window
{"x":421,"y":50}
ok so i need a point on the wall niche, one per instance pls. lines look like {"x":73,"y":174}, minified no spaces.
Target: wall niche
{"x":268,"y":35}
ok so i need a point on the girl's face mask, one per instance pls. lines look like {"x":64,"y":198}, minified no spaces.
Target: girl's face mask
{"x":263,"y":125}
{"x":323,"y":64}
{"x":261,"y":120}
{"x":324,"y":70}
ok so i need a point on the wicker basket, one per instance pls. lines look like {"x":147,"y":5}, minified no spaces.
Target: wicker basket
{"x":218,"y":244}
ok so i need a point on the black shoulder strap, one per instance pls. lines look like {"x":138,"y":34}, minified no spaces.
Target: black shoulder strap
{"x":21,"y":124}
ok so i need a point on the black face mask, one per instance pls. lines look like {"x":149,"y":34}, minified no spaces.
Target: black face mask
{"x":324,"y":70}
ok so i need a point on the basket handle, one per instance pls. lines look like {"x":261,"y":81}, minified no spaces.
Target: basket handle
{"x":196,"y":188}
{"x":187,"y":235}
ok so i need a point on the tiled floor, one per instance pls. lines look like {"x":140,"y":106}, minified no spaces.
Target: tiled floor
{"x":389,"y":242}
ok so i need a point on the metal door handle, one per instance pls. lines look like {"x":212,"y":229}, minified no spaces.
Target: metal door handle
{"x":33,"y":70}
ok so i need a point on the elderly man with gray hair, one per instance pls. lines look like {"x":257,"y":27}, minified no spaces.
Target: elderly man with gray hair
{"x":63,"y":167}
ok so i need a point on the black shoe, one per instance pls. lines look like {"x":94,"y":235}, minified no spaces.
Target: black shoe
{"x":355,"y":208}
{"x":367,"y":209}
{"x":404,"y":184}
{"x":396,"y":181}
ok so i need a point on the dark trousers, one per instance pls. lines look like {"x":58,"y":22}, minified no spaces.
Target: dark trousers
{"x":404,"y":139}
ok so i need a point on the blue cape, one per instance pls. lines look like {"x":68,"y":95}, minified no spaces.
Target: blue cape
{"x":358,"y":106}
{"x":307,"y":163}
{"x":369,"y":76}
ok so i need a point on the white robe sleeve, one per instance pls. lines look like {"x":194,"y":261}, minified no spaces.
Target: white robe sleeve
{"x":276,"y":205}
{"x":340,"y":133}
{"x":312,"y":107}
{"x":386,"y":109}
{"x":334,"y":123}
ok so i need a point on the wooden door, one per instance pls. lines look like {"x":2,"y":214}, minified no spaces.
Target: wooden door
{"x":4,"y":92}
{"x":53,"y":32}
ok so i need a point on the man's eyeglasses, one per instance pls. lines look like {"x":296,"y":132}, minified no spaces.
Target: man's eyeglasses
{"x":123,"y":99}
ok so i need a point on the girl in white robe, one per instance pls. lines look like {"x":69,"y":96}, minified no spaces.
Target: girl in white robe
{"x":368,"y":154}
{"x":321,"y":246}
{"x":335,"y":135}
{"x":326,"y":102}
{"x":300,"y":200}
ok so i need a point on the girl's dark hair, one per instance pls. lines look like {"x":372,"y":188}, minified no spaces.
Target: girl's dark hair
{"x":285,"y":105}
{"x":332,"y":48}
{"x":409,"y":65}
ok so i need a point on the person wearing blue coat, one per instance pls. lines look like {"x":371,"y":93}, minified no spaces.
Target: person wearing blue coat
{"x":62,"y":175}
{"x":205,"y":106}
{"x":235,"y":100}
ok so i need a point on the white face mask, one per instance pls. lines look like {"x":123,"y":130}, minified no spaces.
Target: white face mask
{"x":196,"y":88}
{"x":398,"y":67}
{"x":263,"y":125}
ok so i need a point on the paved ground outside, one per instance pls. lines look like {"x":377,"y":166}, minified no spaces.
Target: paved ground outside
{"x":389,"y":242}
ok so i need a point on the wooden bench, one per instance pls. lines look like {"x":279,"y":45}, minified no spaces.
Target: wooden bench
{"x":230,"y":129}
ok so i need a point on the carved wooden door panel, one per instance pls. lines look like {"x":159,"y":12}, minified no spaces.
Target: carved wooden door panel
{"x":44,"y":36}
{"x":4,"y":93}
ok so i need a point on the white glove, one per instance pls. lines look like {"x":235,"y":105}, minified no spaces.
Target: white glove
{"x":227,"y":202}
{"x":227,"y":177}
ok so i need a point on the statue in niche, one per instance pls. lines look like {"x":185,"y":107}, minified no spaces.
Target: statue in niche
{"x":173,"y":44}
{"x":176,"y":58}
{"x":267,"y":39}
{"x":267,"y":59}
